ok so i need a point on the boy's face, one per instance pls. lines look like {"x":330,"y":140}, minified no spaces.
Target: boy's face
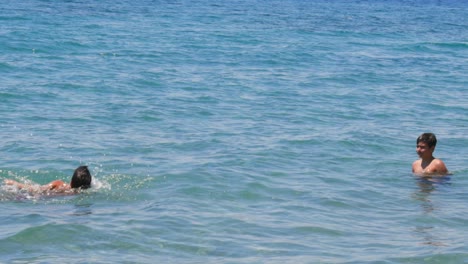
{"x":423,"y":150}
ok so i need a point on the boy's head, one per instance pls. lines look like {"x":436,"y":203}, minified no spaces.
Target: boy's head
{"x":428,"y":138}
{"x":81,"y":178}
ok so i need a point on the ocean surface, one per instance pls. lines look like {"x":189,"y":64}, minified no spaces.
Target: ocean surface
{"x":243,"y":131}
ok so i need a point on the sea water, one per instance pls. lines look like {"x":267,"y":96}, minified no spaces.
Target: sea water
{"x":257,"y":131}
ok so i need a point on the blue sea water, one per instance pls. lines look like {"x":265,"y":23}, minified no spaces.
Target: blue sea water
{"x":233,"y":131}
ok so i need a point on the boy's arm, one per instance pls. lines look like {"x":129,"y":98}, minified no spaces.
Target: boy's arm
{"x":15,"y":183}
{"x":25,"y":186}
{"x":416,"y":163}
{"x":22,"y":186}
{"x":55,"y":185}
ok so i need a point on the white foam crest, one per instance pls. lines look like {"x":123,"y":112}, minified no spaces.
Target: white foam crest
{"x":13,"y":193}
{"x":98,"y":184}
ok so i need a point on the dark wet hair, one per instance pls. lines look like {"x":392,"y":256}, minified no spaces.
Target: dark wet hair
{"x":428,"y":138}
{"x":81,"y":178}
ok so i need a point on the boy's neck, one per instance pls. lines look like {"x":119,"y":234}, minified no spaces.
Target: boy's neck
{"x":428,"y":159}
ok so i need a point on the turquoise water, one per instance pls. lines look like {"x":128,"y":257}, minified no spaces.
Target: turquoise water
{"x":233,"y":132}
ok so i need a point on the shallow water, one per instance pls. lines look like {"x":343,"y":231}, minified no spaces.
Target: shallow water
{"x":237,"y":132}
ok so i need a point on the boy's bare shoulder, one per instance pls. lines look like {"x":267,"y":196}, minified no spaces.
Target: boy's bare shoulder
{"x":440,"y":166}
{"x":417,"y":166}
{"x":57,"y":186}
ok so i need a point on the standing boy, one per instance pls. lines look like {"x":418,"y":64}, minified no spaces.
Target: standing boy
{"x":427,"y":164}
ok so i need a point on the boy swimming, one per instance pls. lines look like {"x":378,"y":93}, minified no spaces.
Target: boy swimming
{"x":80,"y":180}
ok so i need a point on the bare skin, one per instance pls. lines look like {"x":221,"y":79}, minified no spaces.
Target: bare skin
{"x":55,"y":187}
{"x":427,"y":165}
